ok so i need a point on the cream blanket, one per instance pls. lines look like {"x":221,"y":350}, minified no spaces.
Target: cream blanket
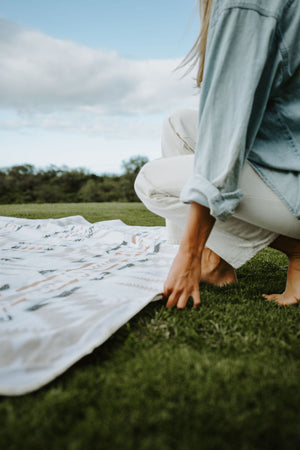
{"x":66,"y":286}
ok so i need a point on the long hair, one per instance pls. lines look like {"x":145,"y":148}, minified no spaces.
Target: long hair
{"x":196,"y":55}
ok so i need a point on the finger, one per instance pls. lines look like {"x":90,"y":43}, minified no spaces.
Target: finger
{"x":167,"y":290}
{"x":182,"y":301}
{"x":196,"y":297}
{"x":172,"y":300}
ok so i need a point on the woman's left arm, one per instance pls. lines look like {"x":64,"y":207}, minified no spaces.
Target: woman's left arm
{"x":185,"y":273}
{"x":241,"y":63}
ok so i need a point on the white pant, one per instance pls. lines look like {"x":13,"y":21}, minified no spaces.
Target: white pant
{"x":259,"y":219}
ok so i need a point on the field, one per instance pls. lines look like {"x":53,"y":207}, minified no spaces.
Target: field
{"x":223,"y":376}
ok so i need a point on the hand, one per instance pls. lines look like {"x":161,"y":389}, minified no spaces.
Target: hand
{"x":185,"y":273}
{"x":183,"y":279}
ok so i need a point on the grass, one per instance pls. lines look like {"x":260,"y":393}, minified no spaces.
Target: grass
{"x":130,"y":213}
{"x":223,"y":376}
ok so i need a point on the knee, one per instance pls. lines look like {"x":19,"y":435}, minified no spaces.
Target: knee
{"x":175,"y":121}
{"x":145,"y":184}
{"x":178,"y":132}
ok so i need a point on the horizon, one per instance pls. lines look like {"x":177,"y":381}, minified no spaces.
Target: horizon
{"x":66,"y":168}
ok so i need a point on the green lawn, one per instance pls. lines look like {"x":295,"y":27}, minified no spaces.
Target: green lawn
{"x":223,"y":376}
{"x":130,"y":213}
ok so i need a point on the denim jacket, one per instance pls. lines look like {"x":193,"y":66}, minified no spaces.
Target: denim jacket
{"x":249,"y":104}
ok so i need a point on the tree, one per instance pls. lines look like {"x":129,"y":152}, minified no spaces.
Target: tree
{"x":131,"y":168}
{"x":134,"y":164}
{"x":25,"y":184}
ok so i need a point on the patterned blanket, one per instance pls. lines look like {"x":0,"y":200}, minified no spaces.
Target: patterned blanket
{"x":67,"y":285}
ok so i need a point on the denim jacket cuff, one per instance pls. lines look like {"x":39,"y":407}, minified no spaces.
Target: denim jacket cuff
{"x":221,"y":204}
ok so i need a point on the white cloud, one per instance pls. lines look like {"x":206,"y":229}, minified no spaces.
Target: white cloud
{"x":65,"y":103}
{"x":88,"y":123}
{"x":45,"y":75}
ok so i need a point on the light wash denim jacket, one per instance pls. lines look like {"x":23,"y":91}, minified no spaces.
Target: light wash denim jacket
{"x":249,"y":104}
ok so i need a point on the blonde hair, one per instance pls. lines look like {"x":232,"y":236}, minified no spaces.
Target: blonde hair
{"x":196,"y":55}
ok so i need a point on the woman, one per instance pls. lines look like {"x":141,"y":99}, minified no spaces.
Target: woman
{"x":240,"y":191}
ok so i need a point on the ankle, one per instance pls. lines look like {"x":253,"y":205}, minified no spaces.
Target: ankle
{"x":214,"y":263}
{"x":210,"y":260}
{"x":215,"y":270}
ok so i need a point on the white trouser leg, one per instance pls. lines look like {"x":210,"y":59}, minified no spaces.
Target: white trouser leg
{"x":179,"y":133}
{"x":178,"y":137}
{"x":259,"y":219}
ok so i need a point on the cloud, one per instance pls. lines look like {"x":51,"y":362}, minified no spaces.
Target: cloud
{"x":45,"y":75}
{"x":91,"y":124}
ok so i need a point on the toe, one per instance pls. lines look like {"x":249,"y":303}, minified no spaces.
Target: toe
{"x":271,"y":297}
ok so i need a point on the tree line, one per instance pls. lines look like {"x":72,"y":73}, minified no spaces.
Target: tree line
{"x":26,"y":184}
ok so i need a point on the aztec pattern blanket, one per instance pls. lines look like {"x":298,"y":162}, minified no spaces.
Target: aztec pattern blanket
{"x":66,"y":286}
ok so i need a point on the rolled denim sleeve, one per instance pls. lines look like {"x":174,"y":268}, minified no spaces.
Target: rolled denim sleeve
{"x":240,"y":66}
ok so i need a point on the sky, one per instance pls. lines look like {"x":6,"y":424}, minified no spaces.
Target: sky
{"x":87,"y":83}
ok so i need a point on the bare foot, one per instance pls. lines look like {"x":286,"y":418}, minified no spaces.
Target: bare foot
{"x":291,"y":295}
{"x":214,"y":270}
{"x":281,"y":299}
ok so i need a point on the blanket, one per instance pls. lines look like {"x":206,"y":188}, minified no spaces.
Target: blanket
{"x":66,"y":286}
